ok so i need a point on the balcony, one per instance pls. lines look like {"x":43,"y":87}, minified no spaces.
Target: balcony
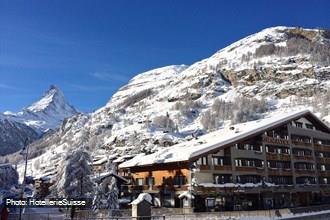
{"x":223,"y":168}
{"x":147,"y":188}
{"x":322,"y":147}
{"x":324,"y":160}
{"x":274,"y":156}
{"x":301,"y":143}
{"x":204,"y":167}
{"x":304,"y":172}
{"x":271,"y":140}
{"x":324,"y":173}
{"x":279,"y":172}
{"x":250,"y":169}
{"x":303,"y":157}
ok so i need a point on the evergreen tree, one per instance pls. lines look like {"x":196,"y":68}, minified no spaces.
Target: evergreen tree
{"x":74,"y":176}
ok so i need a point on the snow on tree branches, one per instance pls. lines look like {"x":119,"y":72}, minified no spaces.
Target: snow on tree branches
{"x":74,"y":176}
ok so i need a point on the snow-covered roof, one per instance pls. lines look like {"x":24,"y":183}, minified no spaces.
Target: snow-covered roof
{"x":5,"y":165}
{"x":123,"y":158}
{"x":100,"y":161}
{"x":211,"y":141}
{"x":186,"y":194}
{"x":104,"y":175}
{"x":143,"y":196}
{"x":46,"y":175}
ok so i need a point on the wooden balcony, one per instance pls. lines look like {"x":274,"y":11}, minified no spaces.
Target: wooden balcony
{"x":204,"y":167}
{"x":146,"y":188}
{"x":305,"y":172}
{"x":305,"y":157}
{"x":324,"y":160}
{"x":277,"y":141}
{"x":279,"y":172}
{"x":301,"y":143}
{"x":322,"y":147}
{"x":324,"y":173}
{"x":274,"y":156}
{"x":250,"y":169}
{"x":224,"y":167}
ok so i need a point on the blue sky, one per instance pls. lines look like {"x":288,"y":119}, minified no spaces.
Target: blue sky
{"x":91,"y":48}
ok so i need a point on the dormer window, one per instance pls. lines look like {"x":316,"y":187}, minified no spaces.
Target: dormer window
{"x":299,"y":124}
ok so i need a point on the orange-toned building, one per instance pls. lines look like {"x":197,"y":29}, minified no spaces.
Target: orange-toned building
{"x":276,"y":162}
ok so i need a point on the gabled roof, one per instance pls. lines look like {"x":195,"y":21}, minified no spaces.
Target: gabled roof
{"x":108,"y":174}
{"x":212,"y":141}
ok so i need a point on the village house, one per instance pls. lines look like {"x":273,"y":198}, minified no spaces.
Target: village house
{"x":275,"y":162}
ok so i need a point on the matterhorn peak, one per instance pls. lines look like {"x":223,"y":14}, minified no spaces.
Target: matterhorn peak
{"x":46,"y":113}
{"x":52,"y":96}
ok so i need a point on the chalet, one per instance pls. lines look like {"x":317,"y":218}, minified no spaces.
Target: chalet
{"x":99,"y":165}
{"x":275,"y":162}
{"x":44,"y":181}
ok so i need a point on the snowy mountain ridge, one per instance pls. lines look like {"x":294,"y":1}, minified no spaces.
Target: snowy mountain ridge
{"x":32,"y":122}
{"x":285,"y":68}
{"x":46,"y":113}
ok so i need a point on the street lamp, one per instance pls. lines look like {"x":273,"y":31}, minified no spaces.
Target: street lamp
{"x":26,"y":147}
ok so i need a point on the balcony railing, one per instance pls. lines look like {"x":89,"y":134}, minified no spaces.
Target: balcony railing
{"x":224,"y":167}
{"x":279,"y":172}
{"x":304,"y":172}
{"x":250,"y":169}
{"x":303,"y":157}
{"x":301,"y":143}
{"x":204,"y":167}
{"x":275,"y":156}
{"x":324,"y":173}
{"x":154,"y":187}
{"x":322,"y":147}
{"x":325,"y":160}
{"x":271,"y":140}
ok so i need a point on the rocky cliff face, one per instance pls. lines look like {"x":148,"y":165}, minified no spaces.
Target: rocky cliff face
{"x":284,"y":68}
{"x":14,"y":136}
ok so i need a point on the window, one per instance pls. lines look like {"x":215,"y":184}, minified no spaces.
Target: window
{"x":248,"y":179}
{"x":221,"y":161}
{"x":309,"y":126}
{"x":139,"y":181}
{"x":217,"y":161}
{"x":298,"y":124}
{"x":179,"y":180}
{"x":281,"y":180}
{"x":300,"y":153}
{"x":222,"y":178}
{"x":324,"y":180}
{"x":323,"y":168}
{"x":306,"y":180}
{"x":202,"y":161}
{"x":151,"y":181}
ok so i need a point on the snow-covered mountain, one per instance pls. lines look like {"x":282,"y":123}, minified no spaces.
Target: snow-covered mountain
{"x":276,"y":70}
{"x":32,"y":122}
{"x":46,"y":113}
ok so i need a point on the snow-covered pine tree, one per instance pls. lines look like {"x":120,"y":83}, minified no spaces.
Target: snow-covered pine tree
{"x":74,"y":180}
{"x":8,"y":176}
{"x":106,"y":194}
